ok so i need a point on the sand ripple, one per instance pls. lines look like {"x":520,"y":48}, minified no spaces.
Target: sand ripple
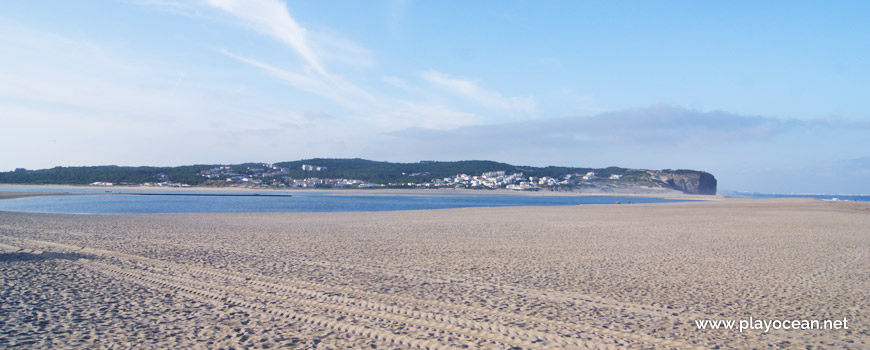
{"x":597,"y":277}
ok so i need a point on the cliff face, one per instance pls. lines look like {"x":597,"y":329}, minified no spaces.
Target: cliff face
{"x":690,"y":182}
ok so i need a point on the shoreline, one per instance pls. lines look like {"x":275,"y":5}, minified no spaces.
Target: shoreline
{"x":450,"y":201}
{"x":15,"y":195}
{"x":361,"y":192}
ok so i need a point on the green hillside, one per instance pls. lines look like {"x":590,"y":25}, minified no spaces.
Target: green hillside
{"x":368,"y":171}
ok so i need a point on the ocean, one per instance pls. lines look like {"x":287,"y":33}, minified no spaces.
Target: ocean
{"x":827,"y":197}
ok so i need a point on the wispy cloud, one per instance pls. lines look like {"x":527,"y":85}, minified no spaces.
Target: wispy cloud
{"x":70,"y":101}
{"x":674,"y":125}
{"x":397,"y":82}
{"x":401,"y":114}
{"x":272,"y":18}
{"x":386,"y":112}
{"x":335,"y":48}
{"x":92,"y":79}
{"x":656,"y":126}
{"x":472,"y":91}
{"x":409,"y":88}
{"x":177,"y":7}
{"x":328,"y":86}
{"x":721,"y":142}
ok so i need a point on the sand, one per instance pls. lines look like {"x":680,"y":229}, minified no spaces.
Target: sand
{"x":13,"y":195}
{"x":591,"y":276}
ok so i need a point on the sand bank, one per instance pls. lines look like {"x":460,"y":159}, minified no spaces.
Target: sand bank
{"x":13,"y":195}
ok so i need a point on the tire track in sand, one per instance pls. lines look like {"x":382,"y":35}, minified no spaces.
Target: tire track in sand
{"x":213,"y":297}
{"x":466,"y":327}
{"x":272,"y":303}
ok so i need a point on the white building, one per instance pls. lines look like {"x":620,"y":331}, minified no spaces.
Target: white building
{"x":309,"y":167}
{"x":491,"y":174}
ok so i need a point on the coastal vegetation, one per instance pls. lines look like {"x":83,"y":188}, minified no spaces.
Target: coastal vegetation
{"x":360,"y":172}
{"x":82,"y":175}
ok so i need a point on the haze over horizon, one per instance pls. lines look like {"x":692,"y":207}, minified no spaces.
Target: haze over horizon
{"x":768,"y":97}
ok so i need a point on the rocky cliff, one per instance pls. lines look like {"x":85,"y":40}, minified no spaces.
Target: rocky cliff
{"x":687,"y":181}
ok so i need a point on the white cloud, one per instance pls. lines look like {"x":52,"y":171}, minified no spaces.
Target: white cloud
{"x":327,"y":86}
{"x":271,"y":17}
{"x":472,"y":91}
{"x":395,"y":81}
{"x":659,"y":126}
{"x":67,"y":101}
{"x":405,"y":86}
{"x":406,"y":114}
{"x":387,"y":113}
{"x":340,"y":50}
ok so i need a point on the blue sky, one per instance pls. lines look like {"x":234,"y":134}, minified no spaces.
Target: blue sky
{"x":766,"y":96}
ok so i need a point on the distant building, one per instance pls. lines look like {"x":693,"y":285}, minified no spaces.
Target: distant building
{"x":589,"y":176}
{"x":615,"y":177}
{"x":309,"y":167}
{"x":491,"y":174}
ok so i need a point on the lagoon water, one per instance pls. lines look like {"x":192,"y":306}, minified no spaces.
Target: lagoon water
{"x":304,"y":202}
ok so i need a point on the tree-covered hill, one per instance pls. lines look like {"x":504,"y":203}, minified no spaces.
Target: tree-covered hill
{"x":369,"y":171}
{"x":386,"y":172}
{"x":108,"y":173}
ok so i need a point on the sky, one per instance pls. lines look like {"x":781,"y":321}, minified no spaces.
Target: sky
{"x":767,"y":96}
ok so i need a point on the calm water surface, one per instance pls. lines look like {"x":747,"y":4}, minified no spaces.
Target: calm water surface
{"x":314,"y":202}
{"x":827,"y":197}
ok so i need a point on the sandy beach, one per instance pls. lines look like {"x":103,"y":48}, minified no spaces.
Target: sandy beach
{"x":591,"y":276}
